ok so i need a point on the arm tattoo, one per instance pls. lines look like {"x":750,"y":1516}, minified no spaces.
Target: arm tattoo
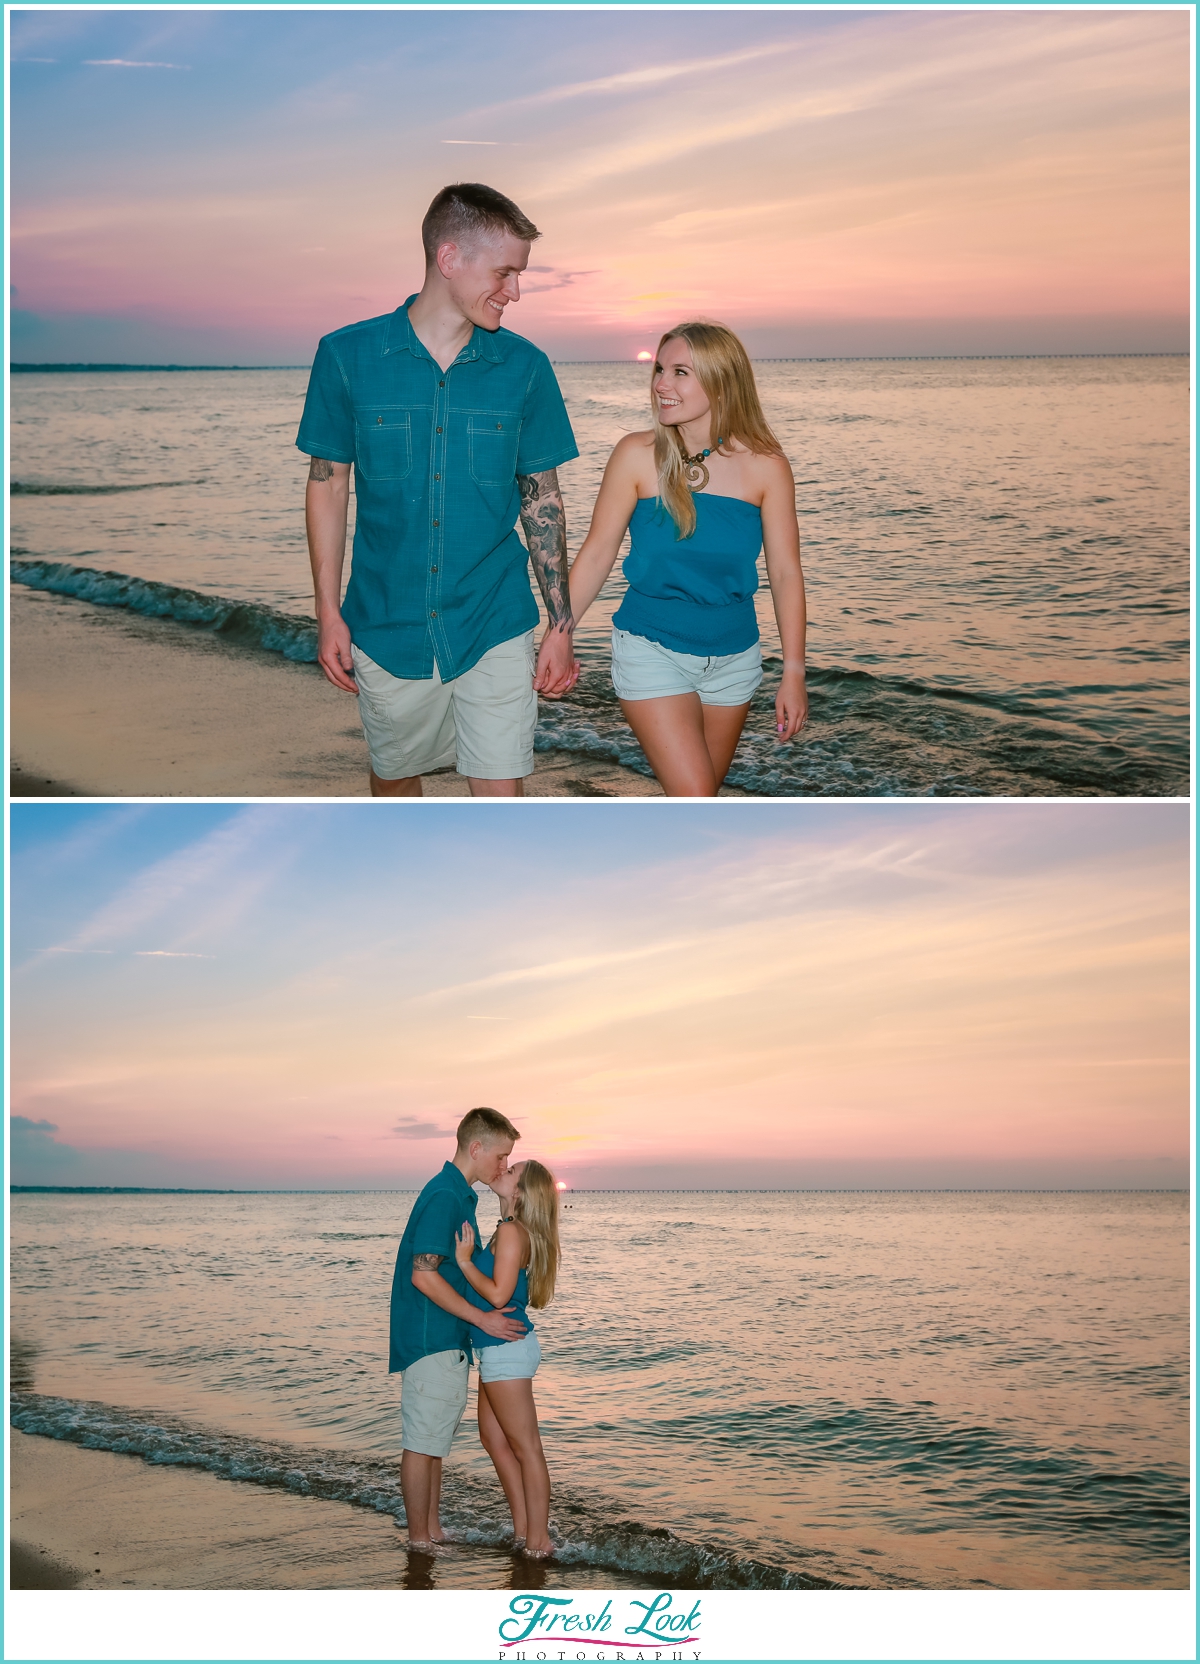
{"x":319,"y":469}
{"x":427,"y":1262}
{"x":545,"y":527}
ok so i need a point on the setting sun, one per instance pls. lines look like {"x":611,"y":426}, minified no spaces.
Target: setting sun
{"x":645,"y":357}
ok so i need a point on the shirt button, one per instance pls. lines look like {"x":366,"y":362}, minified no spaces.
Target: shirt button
{"x":441,"y":384}
{"x":437,"y":476}
{"x":433,"y":568}
{"x":433,"y":615}
{"x":439,"y":430}
{"x":436,"y":522}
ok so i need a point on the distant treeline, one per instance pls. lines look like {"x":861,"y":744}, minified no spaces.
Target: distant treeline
{"x":137,"y":1190}
{"x":43,"y":369}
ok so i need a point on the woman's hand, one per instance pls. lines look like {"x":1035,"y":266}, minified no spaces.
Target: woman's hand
{"x":791,"y":705}
{"x":464,"y":1244}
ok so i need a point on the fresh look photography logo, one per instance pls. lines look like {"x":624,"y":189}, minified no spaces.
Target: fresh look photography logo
{"x":560,"y":1627}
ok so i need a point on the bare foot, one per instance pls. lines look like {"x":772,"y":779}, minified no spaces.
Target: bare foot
{"x":416,"y":1546}
{"x":539,"y":1551}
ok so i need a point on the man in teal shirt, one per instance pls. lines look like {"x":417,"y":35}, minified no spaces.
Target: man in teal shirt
{"x":432,"y":1310}
{"x":454,"y":427}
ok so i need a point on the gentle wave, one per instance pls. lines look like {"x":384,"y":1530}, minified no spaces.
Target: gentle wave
{"x":249,"y":623}
{"x":879,"y":736}
{"x":471,"y":1508}
{"x":965,"y":1472}
{"x":870,"y":735}
{"x":27,"y":488}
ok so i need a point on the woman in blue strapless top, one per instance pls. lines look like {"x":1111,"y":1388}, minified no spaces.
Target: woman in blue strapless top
{"x":517,"y":1268}
{"x":700,"y":494}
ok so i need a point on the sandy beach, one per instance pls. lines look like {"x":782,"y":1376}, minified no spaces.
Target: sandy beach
{"x":92,"y":1519}
{"x":106,"y":703}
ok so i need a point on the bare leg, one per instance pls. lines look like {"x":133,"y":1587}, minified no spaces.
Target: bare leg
{"x":504,"y":1460}
{"x":436,"y":1534}
{"x":495,"y":788}
{"x":688,"y":745}
{"x":513,"y":1406}
{"x":409,"y":787}
{"x":420,"y":1485}
{"x":723,"y":726}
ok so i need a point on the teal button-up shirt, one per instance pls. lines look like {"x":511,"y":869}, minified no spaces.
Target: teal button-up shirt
{"x":418,"y":1326}
{"x":438,"y":571}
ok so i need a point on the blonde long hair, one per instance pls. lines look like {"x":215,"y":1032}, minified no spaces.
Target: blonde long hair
{"x":723,"y":367}
{"x":535,"y":1205}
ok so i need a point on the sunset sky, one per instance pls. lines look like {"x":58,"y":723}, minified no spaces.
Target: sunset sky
{"x":807,"y":995}
{"x":226,"y":186}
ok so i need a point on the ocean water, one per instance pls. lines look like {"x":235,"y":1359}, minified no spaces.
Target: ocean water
{"x":996,"y":553}
{"x":934,"y":1390}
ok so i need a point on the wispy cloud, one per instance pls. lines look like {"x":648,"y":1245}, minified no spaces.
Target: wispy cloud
{"x":166,"y":953}
{"x":558,"y":969}
{"x":644,"y":78}
{"x":408,"y":1126}
{"x":130,"y":63}
{"x":204,"y":884}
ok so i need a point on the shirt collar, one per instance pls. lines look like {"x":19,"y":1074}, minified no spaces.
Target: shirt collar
{"x":400,"y":336}
{"x":455,"y":1175}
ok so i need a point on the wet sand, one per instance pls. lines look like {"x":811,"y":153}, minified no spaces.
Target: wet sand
{"x":96,"y":1520}
{"x":106,"y":703}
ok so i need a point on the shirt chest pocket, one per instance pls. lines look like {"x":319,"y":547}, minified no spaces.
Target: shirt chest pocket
{"x":383,"y":442}
{"x":492,"y":447}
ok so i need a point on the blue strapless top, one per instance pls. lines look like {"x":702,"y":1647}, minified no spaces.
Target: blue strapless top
{"x":486,"y":1261}
{"x":695,"y":594}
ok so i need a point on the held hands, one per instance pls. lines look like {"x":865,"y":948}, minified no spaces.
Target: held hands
{"x":557,"y":667}
{"x":791,"y":705}
{"x":464,"y":1244}
{"x":333,"y":654}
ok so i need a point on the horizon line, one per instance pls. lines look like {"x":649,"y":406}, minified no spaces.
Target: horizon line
{"x":60,"y":366}
{"x":643,"y":1190}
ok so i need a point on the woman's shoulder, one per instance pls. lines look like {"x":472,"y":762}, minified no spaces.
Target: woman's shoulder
{"x":768,"y":470}
{"x":633,"y":449}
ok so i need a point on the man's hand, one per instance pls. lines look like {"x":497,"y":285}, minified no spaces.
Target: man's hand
{"x":333,"y":654}
{"x":503,"y":1328}
{"x":557,"y":667}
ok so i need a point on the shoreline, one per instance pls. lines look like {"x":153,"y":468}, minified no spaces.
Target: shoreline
{"x":95,"y":1519}
{"x":110,"y":703}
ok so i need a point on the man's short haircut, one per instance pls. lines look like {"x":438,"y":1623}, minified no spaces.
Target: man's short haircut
{"x":486,"y":1125}
{"x":465,"y":214}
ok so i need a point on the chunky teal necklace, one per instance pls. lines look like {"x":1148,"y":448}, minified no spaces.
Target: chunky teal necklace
{"x":695,"y":474}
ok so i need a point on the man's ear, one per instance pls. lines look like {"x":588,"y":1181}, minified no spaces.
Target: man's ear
{"x":447,"y":259}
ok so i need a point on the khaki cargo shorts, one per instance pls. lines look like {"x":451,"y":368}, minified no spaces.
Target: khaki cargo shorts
{"x":433,"y":1396}
{"x":482,"y":722}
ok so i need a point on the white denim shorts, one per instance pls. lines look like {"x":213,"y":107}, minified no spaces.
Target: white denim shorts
{"x":433,"y":1396}
{"x":482,"y":722}
{"x":513,"y":1360}
{"x":644,"y":669}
